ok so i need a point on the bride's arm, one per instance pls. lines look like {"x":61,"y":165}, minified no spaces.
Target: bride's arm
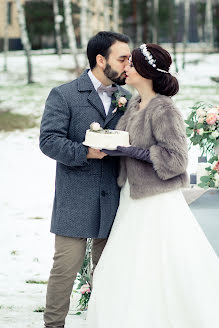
{"x":169,"y":155}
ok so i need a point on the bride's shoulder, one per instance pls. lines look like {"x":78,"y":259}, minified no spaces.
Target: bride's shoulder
{"x":164,"y":100}
{"x":134,"y":101}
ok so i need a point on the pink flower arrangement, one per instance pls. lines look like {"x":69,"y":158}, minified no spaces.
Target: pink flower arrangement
{"x":85,"y":289}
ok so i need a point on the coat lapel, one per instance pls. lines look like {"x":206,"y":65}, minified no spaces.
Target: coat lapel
{"x":85,"y":84}
{"x":96,"y":102}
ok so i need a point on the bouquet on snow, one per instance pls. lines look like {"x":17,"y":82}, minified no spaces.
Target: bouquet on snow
{"x":203,"y":130}
{"x":203,"y":127}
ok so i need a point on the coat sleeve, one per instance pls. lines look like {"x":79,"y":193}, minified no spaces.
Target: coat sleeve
{"x":54,"y":130}
{"x":169,"y":155}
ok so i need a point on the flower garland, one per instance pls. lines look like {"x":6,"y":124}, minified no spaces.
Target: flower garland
{"x":211,"y":179}
{"x":84,"y":279}
{"x":203,"y":130}
{"x":203,"y":127}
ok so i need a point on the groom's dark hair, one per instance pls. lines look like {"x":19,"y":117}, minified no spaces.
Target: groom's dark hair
{"x":100,"y":43}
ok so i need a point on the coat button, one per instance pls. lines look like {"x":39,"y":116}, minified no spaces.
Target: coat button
{"x":103,"y":193}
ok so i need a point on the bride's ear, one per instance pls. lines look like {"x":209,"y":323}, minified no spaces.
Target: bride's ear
{"x":101,"y":61}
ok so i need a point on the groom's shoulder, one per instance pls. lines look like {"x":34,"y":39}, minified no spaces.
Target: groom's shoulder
{"x":71,"y":86}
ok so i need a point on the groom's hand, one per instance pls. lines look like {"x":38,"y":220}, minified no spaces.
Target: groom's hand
{"x":95,"y":153}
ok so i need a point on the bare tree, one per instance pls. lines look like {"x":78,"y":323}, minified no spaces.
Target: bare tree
{"x":70,"y":31}
{"x":83,"y":23}
{"x":106,"y":14}
{"x":24,"y":39}
{"x":6,"y":36}
{"x":58,"y":19}
{"x":155,"y":21}
{"x":185,"y":29}
{"x":116,"y":15}
{"x":209,"y":30}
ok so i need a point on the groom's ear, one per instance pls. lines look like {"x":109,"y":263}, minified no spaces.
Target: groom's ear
{"x":101,"y":61}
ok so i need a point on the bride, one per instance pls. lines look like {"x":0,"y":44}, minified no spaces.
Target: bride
{"x":157,"y":270}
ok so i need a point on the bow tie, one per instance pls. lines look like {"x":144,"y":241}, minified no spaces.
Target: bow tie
{"x":109,"y":90}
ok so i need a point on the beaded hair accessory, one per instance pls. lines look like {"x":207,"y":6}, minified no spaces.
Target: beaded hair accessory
{"x":148,"y":56}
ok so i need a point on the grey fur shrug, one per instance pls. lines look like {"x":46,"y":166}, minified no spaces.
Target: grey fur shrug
{"x":159,"y":127}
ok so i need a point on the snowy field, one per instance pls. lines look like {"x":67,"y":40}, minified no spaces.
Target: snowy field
{"x":27,"y":180}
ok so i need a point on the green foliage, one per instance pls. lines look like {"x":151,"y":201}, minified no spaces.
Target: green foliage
{"x":40,"y":309}
{"x":40,"y":282}
{"x":14,"y":252}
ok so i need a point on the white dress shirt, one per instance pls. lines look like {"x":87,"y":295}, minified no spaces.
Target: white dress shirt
{"x":106,"y":100}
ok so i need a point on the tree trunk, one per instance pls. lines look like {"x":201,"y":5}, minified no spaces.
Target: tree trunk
{"x":185,"y":29}
{"x":83,"y":23}
{"x":24,"y":39}
{"x":209,"y":30}
{"x":106,"y":13}
{"x":173,"y":24}
{"x":57,"y":20}
{"x":155,"y":21}
{"x":115,"y":15}
{"x":70,"y":31}
{"x":6,"y":37}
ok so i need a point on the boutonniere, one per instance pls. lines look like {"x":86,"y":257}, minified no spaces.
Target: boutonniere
{"x":120,"y":101}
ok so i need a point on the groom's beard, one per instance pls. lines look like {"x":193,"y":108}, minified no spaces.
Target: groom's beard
{"x":113,"y":75}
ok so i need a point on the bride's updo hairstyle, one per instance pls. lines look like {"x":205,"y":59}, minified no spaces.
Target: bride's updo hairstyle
{"x":163,"y":82}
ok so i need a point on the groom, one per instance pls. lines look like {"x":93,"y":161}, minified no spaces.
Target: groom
{"x":86,"y":191}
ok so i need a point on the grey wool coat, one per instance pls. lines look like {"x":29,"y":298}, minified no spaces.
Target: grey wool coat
{"x":86,"y":190}
{"x":159,"y":127}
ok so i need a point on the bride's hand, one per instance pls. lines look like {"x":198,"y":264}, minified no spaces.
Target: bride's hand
{"x":95,"y":154}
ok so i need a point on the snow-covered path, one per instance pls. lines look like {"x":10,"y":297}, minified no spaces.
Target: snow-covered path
{"x":27,"y":180}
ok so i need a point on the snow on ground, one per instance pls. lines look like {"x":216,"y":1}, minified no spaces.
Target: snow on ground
{"x":27,"y":180}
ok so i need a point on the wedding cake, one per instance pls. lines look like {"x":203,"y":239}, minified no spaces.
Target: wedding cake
{"x":98,"y":138}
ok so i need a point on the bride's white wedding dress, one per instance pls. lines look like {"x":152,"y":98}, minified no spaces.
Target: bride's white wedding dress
{"x":157,"y":270}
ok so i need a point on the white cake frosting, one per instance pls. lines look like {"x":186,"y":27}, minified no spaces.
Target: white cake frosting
{"x":106,"y":139}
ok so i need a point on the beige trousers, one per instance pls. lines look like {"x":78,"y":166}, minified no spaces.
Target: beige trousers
{"x":68,"y":259}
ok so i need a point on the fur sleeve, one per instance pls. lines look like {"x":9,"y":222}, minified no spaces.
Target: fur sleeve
{"x":169,"y":156}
